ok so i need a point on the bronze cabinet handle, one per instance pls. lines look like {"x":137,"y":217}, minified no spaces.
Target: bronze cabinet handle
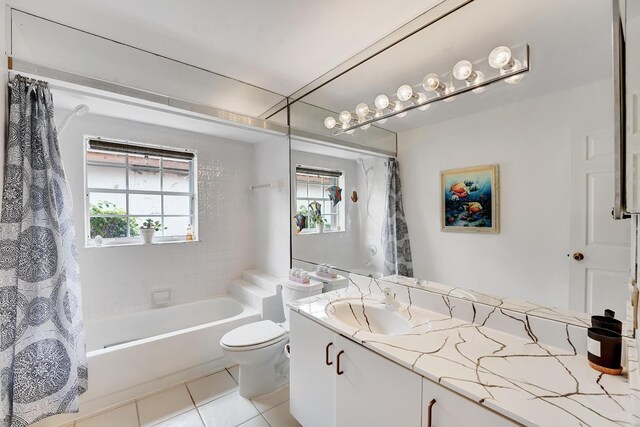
{"x":338,"y":370}
{"x":429,"y":412}
{"x":326,"y":355}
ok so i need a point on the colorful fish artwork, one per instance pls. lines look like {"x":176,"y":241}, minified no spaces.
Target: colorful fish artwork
{"x":335,"y":194}
{"x":470,"y":199}
{"x":301,"y":222}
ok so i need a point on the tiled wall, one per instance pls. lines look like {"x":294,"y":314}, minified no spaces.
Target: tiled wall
{"x":119,"y":280}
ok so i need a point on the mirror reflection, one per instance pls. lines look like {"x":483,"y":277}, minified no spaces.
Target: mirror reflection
{"x":549,"y":140}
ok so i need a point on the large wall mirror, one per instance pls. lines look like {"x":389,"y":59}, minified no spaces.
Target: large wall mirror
{"x":551,"y":135}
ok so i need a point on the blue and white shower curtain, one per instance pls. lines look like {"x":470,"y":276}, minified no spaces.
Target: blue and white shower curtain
{"x":42,"y":348}
{"x":395,"y":233}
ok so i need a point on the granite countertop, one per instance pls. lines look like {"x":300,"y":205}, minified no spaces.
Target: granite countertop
{"x":513,"y":374}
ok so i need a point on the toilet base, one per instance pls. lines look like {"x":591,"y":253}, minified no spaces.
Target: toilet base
{"x":258,"y":380}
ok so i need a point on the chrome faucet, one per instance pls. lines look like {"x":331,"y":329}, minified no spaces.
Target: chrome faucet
{"x":389,"y":301}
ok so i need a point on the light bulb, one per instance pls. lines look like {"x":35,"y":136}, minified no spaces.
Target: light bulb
{"x":350,"y":132}
{"x":330,"y":122}
{"x":422,"y":98}
{"x":377,"y":116}
{"x":463,"y":70}
{"x":362,"y":110}
{"x":517,"y":65}
{"x":382,"y":101}
{"x":431,"y":82}
{"x":500,"y":57}
{"x":345,"y":117}
{"x":399,"y":107}
{"x":404,"y":93}
{"x":365,"y":127}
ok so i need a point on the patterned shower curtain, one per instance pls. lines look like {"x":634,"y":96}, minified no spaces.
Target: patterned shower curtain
{"x":42,"y":348}
{"x":395,"y":233}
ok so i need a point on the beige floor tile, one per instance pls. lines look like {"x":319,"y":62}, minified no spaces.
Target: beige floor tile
{"x":162,"y":406}
{"x":235,"y":372}
{"x":268,"y":401}
{"x":124,"y":416}
{"x":212,"y":387}
{"x":258,"y":421}
{"x":188,"y":419}
{"x":227,"y":411}
{"x":280,"y":416}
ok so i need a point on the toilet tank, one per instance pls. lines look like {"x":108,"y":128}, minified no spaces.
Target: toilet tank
{"x":292,"y":291}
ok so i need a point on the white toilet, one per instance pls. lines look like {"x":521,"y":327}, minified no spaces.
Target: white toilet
{"x":259,"y":347}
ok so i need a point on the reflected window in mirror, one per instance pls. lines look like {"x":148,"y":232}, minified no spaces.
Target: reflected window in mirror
{"x":316,"y":198}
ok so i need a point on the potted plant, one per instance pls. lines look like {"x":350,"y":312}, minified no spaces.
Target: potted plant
{"x":148,"y":229}
{"x":320,"y":223}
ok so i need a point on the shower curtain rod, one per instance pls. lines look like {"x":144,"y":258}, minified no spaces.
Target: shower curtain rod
{"x":213,"y":113}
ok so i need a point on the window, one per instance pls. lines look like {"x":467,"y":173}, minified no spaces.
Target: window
{"x":311,"y":186}
{"x":128,"y":184}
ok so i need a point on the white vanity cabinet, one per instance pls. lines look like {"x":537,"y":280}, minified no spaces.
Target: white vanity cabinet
{"x":336,"y":382}
{"x":449,"y":409}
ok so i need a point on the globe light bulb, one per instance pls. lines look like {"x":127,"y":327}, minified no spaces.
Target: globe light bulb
{"x":422,"y":98}
{"x":382,"y":101}
{"x":377,"y":116}
{"x":362,"y":120}
{"x":330,"y":122}
{"x":431,"y":82}
{"x":362,"y":110}
{"x":345,"y":117}
{"x":517,"y":65}
{"x":463,"y":70}
{"x":404,"y":93}
{"x":500,"y":57}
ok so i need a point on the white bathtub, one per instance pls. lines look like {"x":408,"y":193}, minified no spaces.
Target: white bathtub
{"x":138,"y":353}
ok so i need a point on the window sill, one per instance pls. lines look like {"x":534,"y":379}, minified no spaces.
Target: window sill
{"x":123,"y":244}
{"x":315,"y":233}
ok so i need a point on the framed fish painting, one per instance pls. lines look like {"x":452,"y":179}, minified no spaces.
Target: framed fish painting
{"x":470,"y":200}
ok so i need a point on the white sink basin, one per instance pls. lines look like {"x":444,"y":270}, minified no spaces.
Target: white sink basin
{"x":370,"y":316}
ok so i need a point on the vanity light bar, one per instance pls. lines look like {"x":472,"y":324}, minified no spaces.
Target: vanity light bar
{"x":503,"y":64}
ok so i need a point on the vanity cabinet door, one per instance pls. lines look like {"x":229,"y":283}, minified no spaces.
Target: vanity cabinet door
{"x":373,"y":391}
{"x":312,"y":382}
{"x":453,"y":410}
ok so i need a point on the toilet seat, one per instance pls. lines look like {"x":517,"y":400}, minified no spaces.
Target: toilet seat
{"x":253,"y":336}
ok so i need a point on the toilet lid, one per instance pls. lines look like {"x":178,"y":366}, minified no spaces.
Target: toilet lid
{"x":253,"y":333}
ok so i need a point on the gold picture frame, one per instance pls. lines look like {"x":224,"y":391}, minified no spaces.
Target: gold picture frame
{"x":470,"y":200}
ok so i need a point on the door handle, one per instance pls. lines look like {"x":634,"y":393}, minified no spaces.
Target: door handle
{"x":578,"y":256}
{"x":430,"y":411}
{"x":326,"y":355}
{"x":338,"y":370}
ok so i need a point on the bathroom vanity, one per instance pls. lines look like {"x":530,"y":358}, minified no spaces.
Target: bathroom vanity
{"x":438,"y":360}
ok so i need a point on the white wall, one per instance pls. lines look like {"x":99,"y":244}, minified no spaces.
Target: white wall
{"x":118,"y":280}
{"x":531,"y":142}
{"x":271,"y":206}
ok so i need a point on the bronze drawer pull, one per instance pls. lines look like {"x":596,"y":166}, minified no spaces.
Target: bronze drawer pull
{"x":429,"y":411}
{"x":326,"y":355}
{"x":338,"y":371}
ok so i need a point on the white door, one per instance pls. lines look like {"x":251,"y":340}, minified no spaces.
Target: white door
{"x":372,"y":391}
{"x":600,"y":255}
{"x":312,"y":382}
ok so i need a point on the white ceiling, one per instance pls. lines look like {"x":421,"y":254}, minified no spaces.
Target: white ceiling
{"x":570,"y":46}
{"x":278,"y":45}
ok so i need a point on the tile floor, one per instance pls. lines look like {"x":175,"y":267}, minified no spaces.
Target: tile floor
{"x":210,"y":401}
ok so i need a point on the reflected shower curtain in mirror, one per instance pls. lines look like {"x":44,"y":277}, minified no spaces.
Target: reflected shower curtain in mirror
{"x":395,"y":233}
{"x":42,"y":347}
